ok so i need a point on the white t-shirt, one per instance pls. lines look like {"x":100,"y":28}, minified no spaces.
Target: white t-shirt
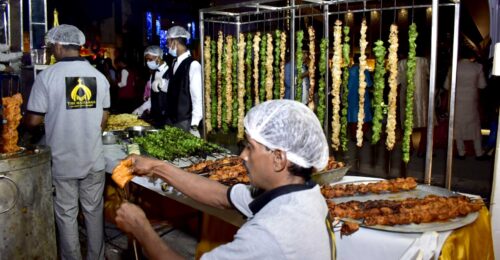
{"x":72,"y":95}
{"x":287,"y":226}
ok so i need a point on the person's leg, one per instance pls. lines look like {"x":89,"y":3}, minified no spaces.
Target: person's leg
{"x":478,"y":148}
{"x":460,"y":147}
{"x":184,"y":125}
{"x":91,"y":198}
{"x":66,"y":212}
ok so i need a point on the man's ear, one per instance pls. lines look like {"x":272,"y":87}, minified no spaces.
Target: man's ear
{"x":279,"y":160}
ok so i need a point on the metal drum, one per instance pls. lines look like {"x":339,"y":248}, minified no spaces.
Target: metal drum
{"x":27,"y":229}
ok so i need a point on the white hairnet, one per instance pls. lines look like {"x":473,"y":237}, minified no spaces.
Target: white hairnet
{"x":178,"y":32}
{"x":65,"y":34}
{"x":153,"y":50}
{"x":292,"y":127}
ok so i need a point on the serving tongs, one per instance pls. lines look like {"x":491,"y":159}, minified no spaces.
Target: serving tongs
{"x":124,"y":194}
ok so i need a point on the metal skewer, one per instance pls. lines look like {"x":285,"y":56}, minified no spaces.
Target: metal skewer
{"x":126,"y":197}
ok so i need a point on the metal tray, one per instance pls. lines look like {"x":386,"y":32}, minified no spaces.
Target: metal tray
{"x":330,"y":176}
{"x":419,"y":192}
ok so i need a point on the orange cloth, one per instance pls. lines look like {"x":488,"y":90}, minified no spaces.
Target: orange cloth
{"x":473,"y":241}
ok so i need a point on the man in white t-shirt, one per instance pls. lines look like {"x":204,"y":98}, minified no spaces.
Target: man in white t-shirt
{"x":287,"y":215}
{"x":71,"y":98}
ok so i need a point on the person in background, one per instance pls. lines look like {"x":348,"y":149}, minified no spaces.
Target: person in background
{"x":126,"y":83}
{"x":285,"y":145}
{"x":353,"y":97}
{"x":155,"y":89}
{"x":109,"y":70}
{"x":470,"y":78}
{"x":305,"y":78}
{"x":184,"y":89}
{"x":110,"y":74}
{"x":72,"y":98}
{"x":420,"y":100}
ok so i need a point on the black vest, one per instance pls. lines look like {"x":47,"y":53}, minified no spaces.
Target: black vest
{"x":179,"y":104}
{"x":158,"y":105}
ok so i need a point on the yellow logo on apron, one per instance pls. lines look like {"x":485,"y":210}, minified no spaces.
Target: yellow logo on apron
{"x":81,"y":92}
{"x":83,"y":95}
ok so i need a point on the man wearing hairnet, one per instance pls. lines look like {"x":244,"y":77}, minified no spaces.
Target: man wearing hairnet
{"x":155,"y":91}
{"x":71,"y":98}
{"x":287,"y":217}
{"x":182,"y":85}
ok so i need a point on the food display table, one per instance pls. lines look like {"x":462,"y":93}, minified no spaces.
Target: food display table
{"x":114,"y":153}
{"x":469,"y":242}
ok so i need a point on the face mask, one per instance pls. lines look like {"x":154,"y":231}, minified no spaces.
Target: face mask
{"x":172,"y":52}
{"x":152,"y":65}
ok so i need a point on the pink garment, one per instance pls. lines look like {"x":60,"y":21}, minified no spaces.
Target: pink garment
{"x":147,"y":90}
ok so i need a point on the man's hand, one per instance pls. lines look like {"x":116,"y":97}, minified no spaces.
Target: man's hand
{"x":195,"y":132}
{"x":137,"y":112}
{"x":9,"y":69}
{"x":130,"y":218}
{"x":156,"y":85}
{"x":144,"y":165}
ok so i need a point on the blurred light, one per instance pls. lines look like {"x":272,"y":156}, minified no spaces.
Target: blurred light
{"x":163,"y":40}
{"x":429,"y":10}
{"x":149,"y":26}
{"x":158,"y":25}
{"x":193,"y":30}
{"x":403,"y":12}
{"x":189,"y":25}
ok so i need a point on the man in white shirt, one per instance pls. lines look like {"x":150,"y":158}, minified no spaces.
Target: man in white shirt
{"x":155,"y":97}
{"x":184,"y":89}
{"x":287,"y":215}
{"x":181,"y":104}
{"x":71,"y":98}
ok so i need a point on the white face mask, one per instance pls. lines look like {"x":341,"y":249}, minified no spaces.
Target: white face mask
{"x":152,"y":65}
{"x":172,"y":52}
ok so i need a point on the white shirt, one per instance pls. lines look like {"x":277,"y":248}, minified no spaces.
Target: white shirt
{"x":194,"y":87}
{"x":162,"y":69}
{"x":291,"y":226}
{"x":73,"y":133}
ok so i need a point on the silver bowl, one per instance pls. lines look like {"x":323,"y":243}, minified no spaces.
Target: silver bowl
{"x":330,"y":176}
{"x":136,"y":131}
{"x":109,"y":138}
{"x":152,"y":131}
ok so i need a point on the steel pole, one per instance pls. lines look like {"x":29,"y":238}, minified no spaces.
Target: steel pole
{"x":292,"y":51}
{"x":451,"y":122}
{"x":432,"y":87}
{"x":202,"y":33}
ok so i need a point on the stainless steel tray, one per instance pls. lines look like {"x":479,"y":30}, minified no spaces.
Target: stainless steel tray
{"x":420,"y":192}
{"x":330,"y":176}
